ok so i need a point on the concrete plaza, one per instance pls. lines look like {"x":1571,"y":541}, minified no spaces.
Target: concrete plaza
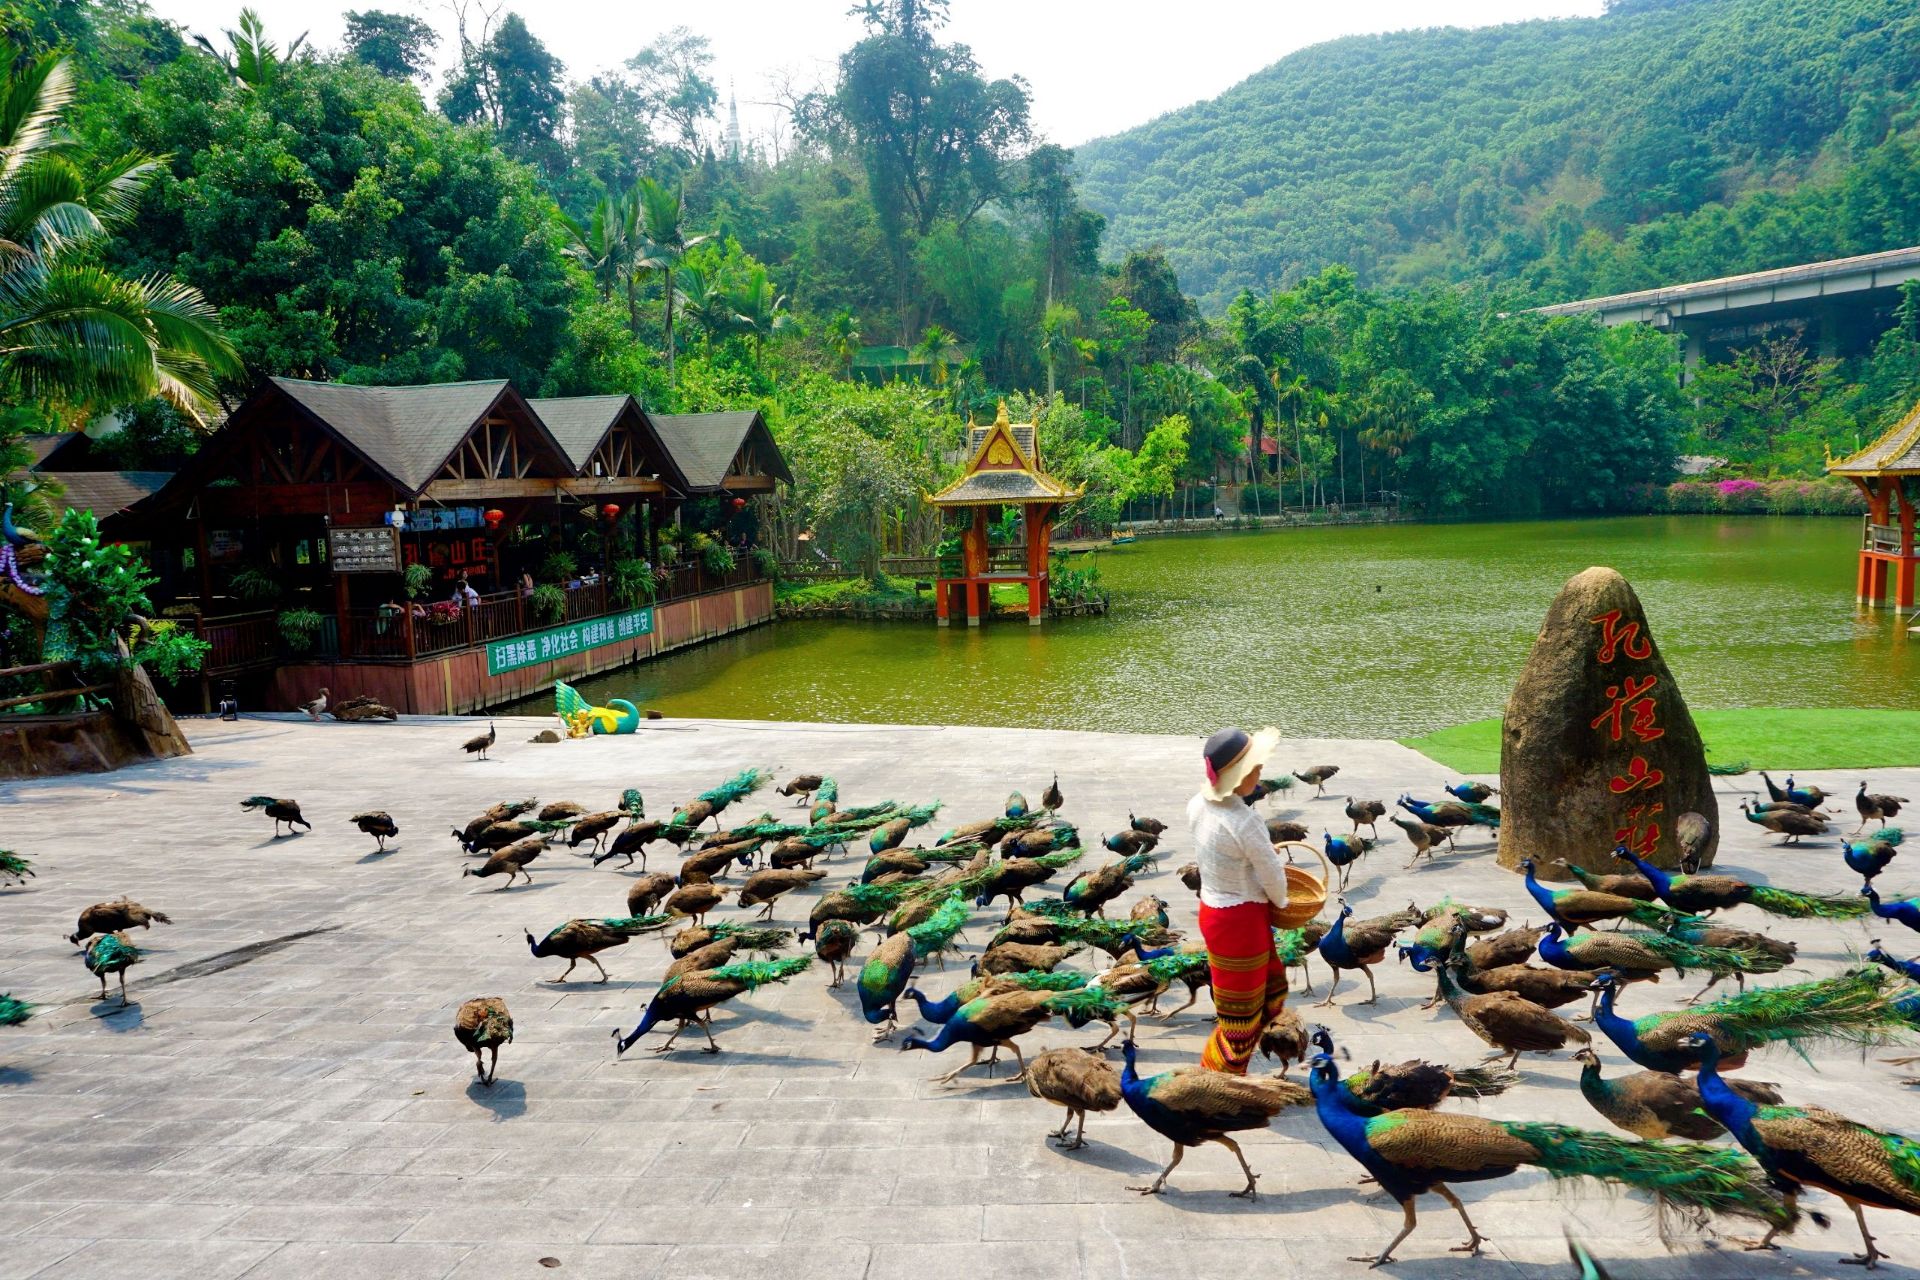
{"x":284,"y":1098}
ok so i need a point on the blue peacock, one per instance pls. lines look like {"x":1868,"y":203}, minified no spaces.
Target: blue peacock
{"x":1906,"y":911}
{"x":1697,"y":894}
{"x":1190,"y":1106}
{"x":1344,"y":851}
{"x":1868,"y":858}
{"x":1573,"y":908}
{"x":690,"y":998}
{"x":1854,"y":1008}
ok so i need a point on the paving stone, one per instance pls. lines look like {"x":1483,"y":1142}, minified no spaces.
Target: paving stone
{"x":312,"y":1260}
{"x":157,"y":1259}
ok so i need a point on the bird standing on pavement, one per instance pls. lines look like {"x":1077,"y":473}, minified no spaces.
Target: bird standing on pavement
{"x":484,"y":1023}
{"x":1876,"y":808}
{"x":689,"y":998}
{"x":1317,"y":776}
{"x":319,"y":704}
{"x":1079,"y":1080}
{"x":1190,"y":1106}
{"x":378,"y":824}
{"x":578,"y":940}
{"x":477,"y":745}
{"x":111,"y":953}
{"x":287,"y":811}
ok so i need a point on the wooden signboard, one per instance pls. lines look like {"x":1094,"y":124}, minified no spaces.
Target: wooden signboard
{"x":375,"y":549}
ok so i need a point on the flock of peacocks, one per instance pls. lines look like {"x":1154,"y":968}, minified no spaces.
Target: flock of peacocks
{"x":1702,"y":1145}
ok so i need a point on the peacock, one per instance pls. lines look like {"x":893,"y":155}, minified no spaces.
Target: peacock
{"x":1014,"y":957}
{"x":746,"y":937}
{"x":1190,"y":1106}
{"x":13,"y":1012}
{"x":934,"y":935}
{"x":1091,"y":891}
{"x":578,"y":940}
{"x":689,"y":998}
{"x":1451,"y":813}
{"x":115,"y":917}
{"x":632,"y":804}
{"x":513,"y":860}
{"x":1079,"y":1080}
{"x":1655,"y":1104}
{"x":1696,"y":894}
{"x":1051,"y":799}
{"x":478,"y":744}
{"x":1344,"y":851}
{"x":765,"y":888}
{"x":1152,"y":826}
{"x":1573,"y":908}
{"x":1692,"y":831}
{"x":1129,"y":842}
{"x":1011,"y":877}
{"x":1763,"y":954}
{"x":1361,"y":945}
{"x":1909,"y":969}
{"x":988,"y":1022}
{"x":1789,"y":822}
{"x":1635,"y":955}
{"x":1854,"y":1008}
{"x":1293,"y":946}
{"x":1868,"y":858}
{"x":1805,"y":797}
{"x":802,"y":785}
{"x":1425,"y":837}
{"x":834,"y":942}
{"x":1414,"y":1083}
{"x":14,"y":867}
{"x":1411,"y":1151}
{"x":1801,"y":1147}
{"x":111,"y":953}
{"x":378,"y":824}
{"x":1366,"y":813}
{"x":484,"y":1023}
{"x":1016,"y":806}
{"x":1471,"y":792}
{"x":1316,"y":776}
{"x":939,"y":1011}
{"x":1506,"y":1020}
{"x":287,"y":811}
{"x":882,"y":981}
{"x":888,"y":835}
{"x":710,"y":804}
{"x":1628,"y":885}
{"x":1904,"y":910}
{"x":1876,"y":808}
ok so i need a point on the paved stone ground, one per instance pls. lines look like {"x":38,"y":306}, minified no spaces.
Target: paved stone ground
{"x":302,"y":1109}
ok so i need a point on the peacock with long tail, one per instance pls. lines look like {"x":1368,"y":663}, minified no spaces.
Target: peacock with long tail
{"x":914,"y":862}
{"x":1414,"y":1083}
{"x":1791,"y":823}
{"x":578,"y":940}
{"x":1093,"y":1003}
{"x":14,"y":1012}
{"x":689,"y":998}
{"x":935,"y":935}
{"x":1802,"y":1147}
{"x":711,"y":804}
{"x":1573,"y":908}
{"x":1293,"y":946}
{"x":14,"y":867}
{"x":1471,"y":792}
{"x":989,"y":1022}
{"x":744,"y":937}
{"x":1695,"y":895}
{"x":1344,"y":851}
{"x":1634,"y":955}
{"x":1630,"y":884}
{"x":1868,"y":858}
{"x":1080,"y":1080}
{"x":1763,"y":954}
{"x":1011,"y":877}
{"x":379,"y":824}
{"x":484,"y":1023}
{"x":941,"y":1010}
{"x":1451,"y":813}
{"x":1854,"y":1008}
{"x":111,"y":953}
{"x":1905,"y":911}
{"x":1506,"y":1020}
{"x":1805,"y":797}
{"x":280,"y":810}
{"x":833,"y":943}
{"x":115,"y":917}
{"x":1876,"y":808}
{"x":1191,"y":1106}
{"x":1411,"y":1152}
{"x":1091,"y":891}
{"x":1361,"y":945}
{"x":1656,"y":1104}
{"x":883,"y":980}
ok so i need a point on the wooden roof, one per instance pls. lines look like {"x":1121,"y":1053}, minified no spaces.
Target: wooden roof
{"x":583,"y":425}
{"x":711,"y":448}
{"x":1896,"y":452}
{"x":1004,"y":468}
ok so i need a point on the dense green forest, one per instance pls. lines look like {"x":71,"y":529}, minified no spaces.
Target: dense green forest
{"x":1667,"y":140}
{"x":908,"y":250}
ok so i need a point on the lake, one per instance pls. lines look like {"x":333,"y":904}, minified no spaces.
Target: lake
{"x":1363,"y":631}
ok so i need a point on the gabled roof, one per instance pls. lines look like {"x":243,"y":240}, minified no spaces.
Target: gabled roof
{"x":1002,"y":469}
{"x":1896,"y":452}
{"x":42,"y":448}
{"x":407,"y":433}
{"x":581,"y":423}
{"x":705,"y":444}
{"x":106,"y":493}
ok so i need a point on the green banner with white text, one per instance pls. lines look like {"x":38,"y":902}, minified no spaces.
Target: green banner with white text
{"x":560,"y":642}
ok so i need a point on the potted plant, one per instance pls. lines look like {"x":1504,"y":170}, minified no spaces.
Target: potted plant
{"x":298,"y":628}
{"x":549,"y":603}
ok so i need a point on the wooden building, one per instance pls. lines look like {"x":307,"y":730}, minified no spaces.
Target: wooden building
{"x":1003,"y":470}
{"x":333,"y":491}
{"x":1888,"y":473}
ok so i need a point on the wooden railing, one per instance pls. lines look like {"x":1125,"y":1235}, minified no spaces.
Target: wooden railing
{"x":1884,"y":538}
{"x":62,"y":675}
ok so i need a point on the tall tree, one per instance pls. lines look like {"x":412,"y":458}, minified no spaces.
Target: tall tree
{"x":663,"y":244}
{"x":670,"y":81}
{"x":511,"y":82}
{"x":394,"y":44}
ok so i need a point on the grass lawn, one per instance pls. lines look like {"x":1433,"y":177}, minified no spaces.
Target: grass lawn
{"x":1765,"y":737}
{"x":885,"y":591}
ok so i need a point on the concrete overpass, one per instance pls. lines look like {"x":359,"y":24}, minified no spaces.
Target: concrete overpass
{"x":1839,"y":307}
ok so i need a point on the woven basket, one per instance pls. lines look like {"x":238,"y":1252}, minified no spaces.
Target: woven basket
{"x":1306,"y":896}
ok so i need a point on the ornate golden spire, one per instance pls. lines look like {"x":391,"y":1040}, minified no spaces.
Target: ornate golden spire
{"x":1001,"y":420}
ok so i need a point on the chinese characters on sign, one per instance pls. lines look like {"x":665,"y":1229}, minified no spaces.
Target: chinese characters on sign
{"x":375,"y":549}
{"x":1631,"y":713}
{"x":576,"y":637}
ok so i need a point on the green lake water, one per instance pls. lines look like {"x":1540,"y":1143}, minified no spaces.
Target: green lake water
{"x":1372,"y":631}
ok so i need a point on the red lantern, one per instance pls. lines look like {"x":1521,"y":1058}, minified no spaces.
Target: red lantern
{"x":493,"y":516}
{"x":739,"y":503}
{"x":611,"y":511}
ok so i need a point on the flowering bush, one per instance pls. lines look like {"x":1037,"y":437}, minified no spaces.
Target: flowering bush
{"x":1776,"y":497}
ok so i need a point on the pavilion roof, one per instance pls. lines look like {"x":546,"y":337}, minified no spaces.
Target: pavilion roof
{"x":1896,"y":452}
{"x":580,"y":424}
{"x":1003,"y":468}
{"x":706,"y":445}
{"x":106,"y":493}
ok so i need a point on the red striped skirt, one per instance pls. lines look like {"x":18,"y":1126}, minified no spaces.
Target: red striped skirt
{"x":1249,"y":982}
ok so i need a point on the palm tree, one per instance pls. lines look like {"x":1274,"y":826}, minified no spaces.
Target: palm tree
{"x":939,"y":347}
{"x":1257,"y":392}
{"x":1057,"y":329}
{"x":707,"y":302}
{"x":606,"y":247}
{"x":255,"y":60}
{"x":71,"y":330}
{"x":664,"y":243}
{"x":758,"y":309}
{"x":843,"y":338}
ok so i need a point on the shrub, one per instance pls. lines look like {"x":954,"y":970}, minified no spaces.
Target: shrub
{"x":549,"y":603}
{"x":251,"y":586}
{"x":299,"y":627}
{"x":630,"y":582}
{"x":168,"y":652}
{"x":1779,"y":497}
{"x":766,"y":562}
{"x":418,"y":578}
{"x":559,"y":566}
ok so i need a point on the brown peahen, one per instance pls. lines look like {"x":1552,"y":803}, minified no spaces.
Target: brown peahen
{"x":1015,"y":957}
{"x":1874,"y":807}
{"x":693,"y":900}
{"x":1317,"y":776}
{"x":1657,"y":1104}
{"x":834,"y":942}
{"x":764,"y":888}
{"x":802,"y":786}
{"x":1425,"y":837}
{"x":280,"y":810}
{"x":478,"y":744}
{"x":594,"y":827}
{"x":484,"y":1023}
{"x":113,"y":917}
{"x":1510,"y":1023}
{"x":378,"y":824}
{"x":647,"y":892}
{"x":1366,"y":813}
{"x":1081,"y":1080}
{"x":512,"y":860}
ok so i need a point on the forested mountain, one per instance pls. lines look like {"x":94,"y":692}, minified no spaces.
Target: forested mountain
{"x":1688,"y":137}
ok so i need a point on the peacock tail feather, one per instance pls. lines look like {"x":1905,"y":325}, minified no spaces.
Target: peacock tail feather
{"x":639,"y":924}
{"x":757,"y":973}
{"x":1291,"y":945}
{"x":877,"y":897}
{"x":919,"y":815}
{"x":1136,"y":863}
{"x":1689,"y":1175}
{"x":1055,"y":908}
{"x":751,"y":937}
{"x":632,"y":805}
{"x":1805,"y":906}
{"x":1177,"y":966}
{"x":738,"y":787}
{"x":1483,"y":813}
{"x":879,"y":812}
{"x":1683,"y":955}
{"x":1107,"y":934}
{"x":1654,"y":916}
{"x":937,"y":931}
{"x":109,"y":953}
{"x":1482,"y":1082}
{"x":13,"y":1012}
{"x":1082,"y":1005}
{"x":1887,"y":835}
{"x":1855,"y":1007}
{"x":948,"y":853}
{"x":13,"y":864}
{"x":1042,"y":980}
{"x":828,"y":790}
{"x":1729,"y":770}
{"x":1060,"y":857}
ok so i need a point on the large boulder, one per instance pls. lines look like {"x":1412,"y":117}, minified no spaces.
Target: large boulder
{"x":1597,"y":748}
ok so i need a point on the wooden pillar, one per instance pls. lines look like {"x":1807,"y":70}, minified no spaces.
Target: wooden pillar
{"x":1038,"y":526}
{"x":340,"y":601}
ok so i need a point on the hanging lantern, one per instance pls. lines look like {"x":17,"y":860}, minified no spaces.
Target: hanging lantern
{"x":611,"y":511}
{"x":493,"y":516}
{"x":739,"y":504}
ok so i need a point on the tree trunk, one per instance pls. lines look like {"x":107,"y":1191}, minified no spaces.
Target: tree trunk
{"x":666,"y":291}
